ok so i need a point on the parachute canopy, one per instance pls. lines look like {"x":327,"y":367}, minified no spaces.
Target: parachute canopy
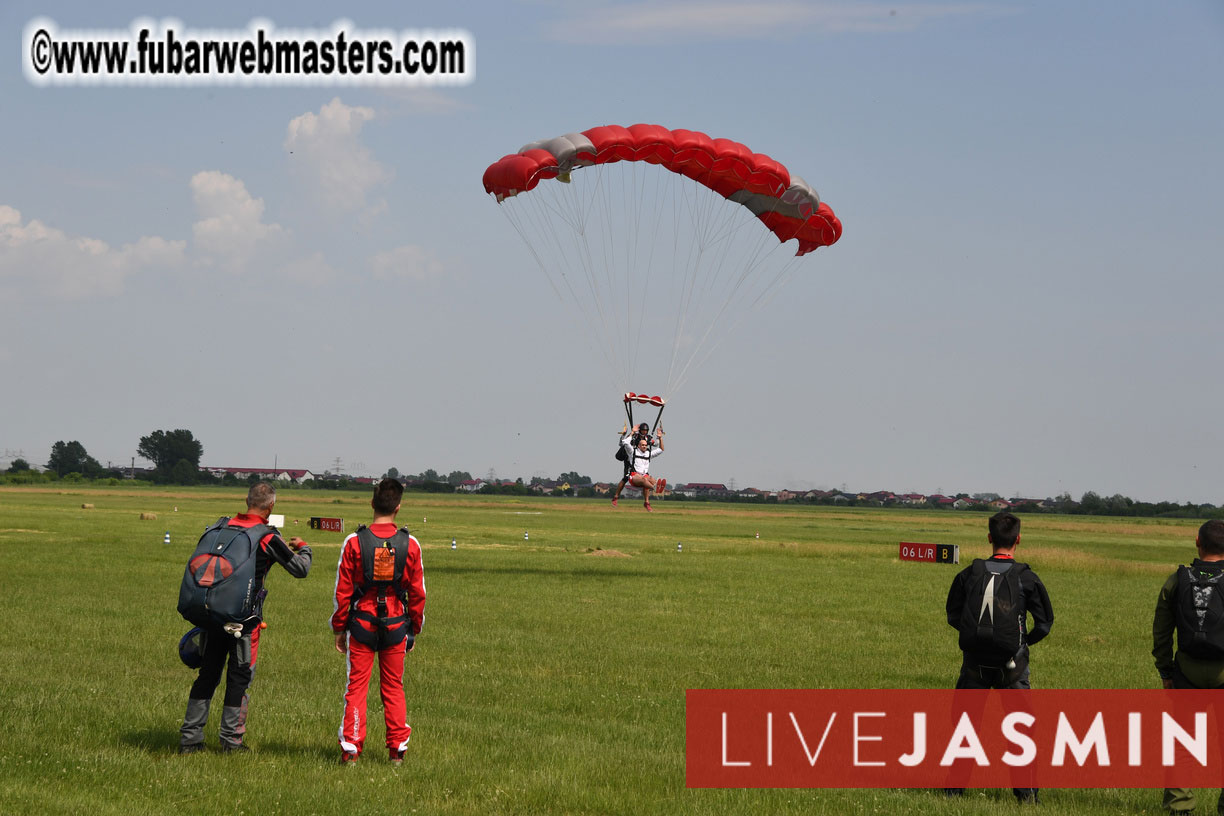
{"x":785,"y":203}
{"x":656,"y":236}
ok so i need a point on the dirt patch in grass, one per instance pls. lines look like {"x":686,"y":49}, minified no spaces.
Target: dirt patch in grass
{"x":609,"y":553}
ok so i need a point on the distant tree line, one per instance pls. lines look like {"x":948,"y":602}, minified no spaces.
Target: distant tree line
{"x":174,"y":454}
{"x":1091,"y":504}
{"x":176,"y":458}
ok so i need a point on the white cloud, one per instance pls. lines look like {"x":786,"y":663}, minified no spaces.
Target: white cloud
{"x":36,"y":259}
{"x":230,"y":221}
{"x":408,"y":261}
{"x":329,"y":156}
{"x":719,"y":20}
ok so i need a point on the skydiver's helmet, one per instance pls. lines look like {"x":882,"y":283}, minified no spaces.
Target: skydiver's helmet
{"x":644,"y":429}
{"x":191,"y":648}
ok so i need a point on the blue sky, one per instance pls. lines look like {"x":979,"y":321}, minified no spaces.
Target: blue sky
{"x":1024,"y":301}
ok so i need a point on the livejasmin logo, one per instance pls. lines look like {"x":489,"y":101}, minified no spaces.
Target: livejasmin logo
{"x":940,"y":738}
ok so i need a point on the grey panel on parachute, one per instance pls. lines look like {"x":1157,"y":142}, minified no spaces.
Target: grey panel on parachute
{"x":571,"y":150}
{"x":799,"y":200}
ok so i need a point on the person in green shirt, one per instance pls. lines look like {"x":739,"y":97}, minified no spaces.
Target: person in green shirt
{"x":1198,"y":662}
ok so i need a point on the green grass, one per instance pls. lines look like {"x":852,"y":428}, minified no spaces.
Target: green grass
{"x":550,"y":676}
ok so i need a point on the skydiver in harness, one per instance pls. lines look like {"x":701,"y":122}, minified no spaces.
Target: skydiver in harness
{"x":639,"y":450}
{"x":623,"y":455}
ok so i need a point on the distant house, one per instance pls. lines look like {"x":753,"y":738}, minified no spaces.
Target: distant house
{"x":1000,"y":504}
{"x":912,"y":498}
{"x":964,"y":504}
{"x":786,"y":495}
{"x":694,"y":490}
{"x":295,"y":475}
{"x":470,"y":485}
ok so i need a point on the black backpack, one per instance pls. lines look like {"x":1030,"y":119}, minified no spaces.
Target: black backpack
{"x":220,"y":585}
{"x":382,"y":565}
{"x":1199,"y":612}
{"x":622,"y":455}
{"x":992,"y":620}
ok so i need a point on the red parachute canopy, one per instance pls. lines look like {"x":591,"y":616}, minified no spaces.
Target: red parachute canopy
{"x":644,"y":400}
{"x":785,"y":203}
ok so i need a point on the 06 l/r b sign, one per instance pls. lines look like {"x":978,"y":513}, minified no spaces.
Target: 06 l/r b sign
{"x":933,"y":553}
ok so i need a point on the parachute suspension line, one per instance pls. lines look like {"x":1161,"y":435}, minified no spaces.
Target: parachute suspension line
{"x":601,"y":264}
{"x":714,"y":222}
{"x":633,"y":218}
{"x":587,"y":259}
{"x":697,"y":210}
{"x":662,"y":191}
{"x":763,"y":296}
{"x":617,"y":205}
{"x":534,"y":220}
{"x":753,"y":258}
{"x":698,"y":214}
{"x":684,"y":269}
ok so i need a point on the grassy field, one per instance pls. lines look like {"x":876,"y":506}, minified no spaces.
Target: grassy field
{"x":550,"y":676}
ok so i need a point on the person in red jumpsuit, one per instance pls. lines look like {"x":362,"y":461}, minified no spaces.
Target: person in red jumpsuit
{"x":380,"y":608}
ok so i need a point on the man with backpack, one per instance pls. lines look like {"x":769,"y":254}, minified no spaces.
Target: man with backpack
{"x":988,"y":604}
{"x":1191,"y":603}
{"x":222,"y":593}
{"x":380,"y":608}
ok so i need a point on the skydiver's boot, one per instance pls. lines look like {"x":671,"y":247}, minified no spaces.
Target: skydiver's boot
{"x":191,"y":735}
{"x":233,"y":727}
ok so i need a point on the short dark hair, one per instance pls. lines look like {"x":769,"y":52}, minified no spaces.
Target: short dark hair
{"x":1004,"y":530}
{"x":261,"y":496}
{"x":387,"y":496}
{"x":1211,"y":537}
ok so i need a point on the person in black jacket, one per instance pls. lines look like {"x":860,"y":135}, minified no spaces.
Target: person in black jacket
{"x":235,"y":652}
{"x":1193,"y":665}
{"x":976,"y":596}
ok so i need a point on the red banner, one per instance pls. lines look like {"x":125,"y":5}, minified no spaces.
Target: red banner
{"x":924,"y":738}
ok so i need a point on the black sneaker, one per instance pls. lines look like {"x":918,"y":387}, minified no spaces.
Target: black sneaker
{"x":235,"y":748}
{"x":194,"y":748}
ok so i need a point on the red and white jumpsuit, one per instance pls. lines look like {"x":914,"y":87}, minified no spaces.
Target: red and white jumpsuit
{"x":361,"y":657}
